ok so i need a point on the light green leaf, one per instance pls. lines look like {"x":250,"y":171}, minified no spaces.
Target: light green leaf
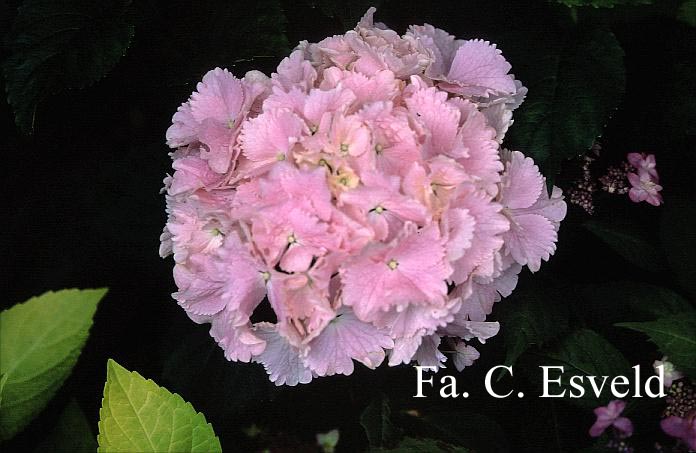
{"x":40,"y":341}
{"x":72,"y":433}
{"x":574,"y":86}
{"x":3,"y":379}
{"x":60,"y":45}
{"x":138,"y":415}
{"x":675,"y":336}
{"x":630,"y":243}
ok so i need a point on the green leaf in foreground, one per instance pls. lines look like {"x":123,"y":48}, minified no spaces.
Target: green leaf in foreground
{"x":3,"y":379}
{"x":40,"y":341}
{"x":582,"y":353}
{"x":138,"y":415}
{"x":61,"y":45}
{"x":574,"y":85}
{"x":675,"y":336}
{"x":376,"y":420}
{"x":71,"y":434}
{"x":628,"y":242}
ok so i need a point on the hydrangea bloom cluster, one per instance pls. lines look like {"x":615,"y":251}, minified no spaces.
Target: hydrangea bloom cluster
{"x":645,"y":182}
{"x":361,"y":193}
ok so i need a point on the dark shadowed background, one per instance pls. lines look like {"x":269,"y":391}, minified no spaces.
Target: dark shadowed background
{"x":82,"y":209}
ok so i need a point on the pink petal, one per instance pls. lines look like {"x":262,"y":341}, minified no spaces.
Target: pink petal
{"x":464,"y":355}
{"x":219,"y":97}
{"x":234,"y":335}
{"x":521,"y":183}
{"x":531,"y":238}
{"x":345,"y":339}
{"x":478,"y":68}
{"x":428,"y":354}
{"x":280,"y":359}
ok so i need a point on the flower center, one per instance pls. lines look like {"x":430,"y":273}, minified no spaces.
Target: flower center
{"x":379,"y":148}
{"x":291,"y":238}
{"x":393,"y":264}
{"x":266,"y":276}
{"x":280,"y":157}
{"x":344,"y":148}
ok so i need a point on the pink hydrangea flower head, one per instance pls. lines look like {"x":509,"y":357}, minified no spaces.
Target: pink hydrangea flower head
{"x":360,"y":193}
{"x":610,"y":415}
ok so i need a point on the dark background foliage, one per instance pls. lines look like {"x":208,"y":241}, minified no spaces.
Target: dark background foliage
{"x":85,"y":161}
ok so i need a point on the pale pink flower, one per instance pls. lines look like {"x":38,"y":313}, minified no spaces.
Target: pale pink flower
{"x":380,"y":202}
{"x":428,"y":354}
{"x":410,"y":270}
{"x":487,"y":235}
{"x":643,"y":163}
{"x":269,"y":138}
{"x":610,"y":415}
{"x":230,"y":278}
{"x":295,"y":72}
{"x":234,"y":333}
{"x":280,"y":359}
{"x":213,"y":116}
{"x":478,"y":69}
{"x":464,"y":355}
{"x":670,"y":372}
{"x":343,"y":340}
{"x":683,"y":428}
{"x":644,"y":188}
{"x":532,"y":235}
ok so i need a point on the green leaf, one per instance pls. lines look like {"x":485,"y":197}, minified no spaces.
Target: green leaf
{"x":61,"y":45}
{"x":532,"y":318}
{"x":608,"y":303}
{"x":40,"y":341}
{"x":72,"y":433}
{"x":453,"y":426}
{"x":239,"y":35}
{"x":603,"y":3}
{"x":678,"y":240}
{"x":574,"y":86}
{"x":675,"y":336}
{"x":687,"y":12}
{"x":586,"y":353}
{"x":138,"y":415}
{"x":3,"y":379}
{"x":412,"y":445}
{"x":376,"y":420}
{"x":628,"y":242}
